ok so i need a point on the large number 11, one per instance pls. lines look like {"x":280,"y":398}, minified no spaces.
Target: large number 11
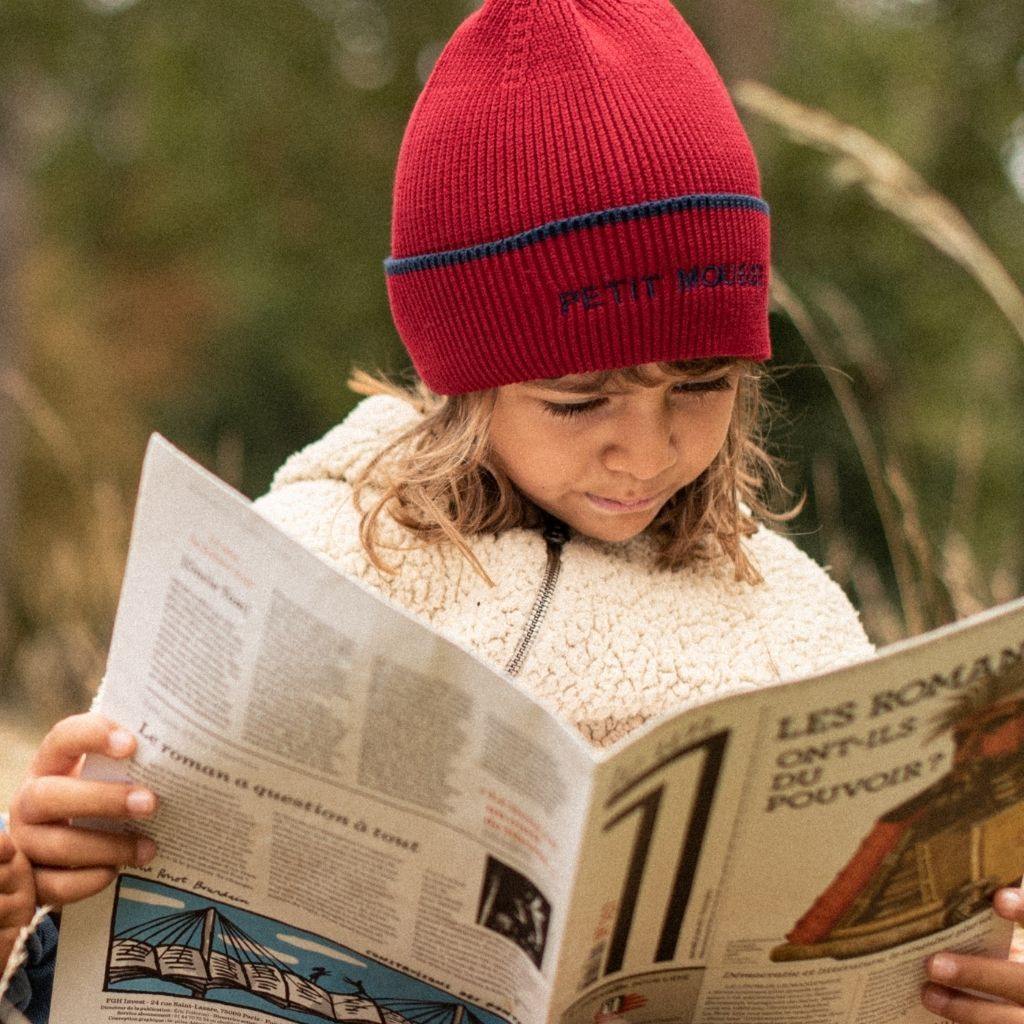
{"x":648,"y":806}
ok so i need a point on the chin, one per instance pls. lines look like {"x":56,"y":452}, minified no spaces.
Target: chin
{"x":613,"y":532}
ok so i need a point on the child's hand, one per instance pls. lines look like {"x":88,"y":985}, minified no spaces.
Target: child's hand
{"x":71,"y":863}
{"x":1001,"y":978}
{"x":17,"y":895}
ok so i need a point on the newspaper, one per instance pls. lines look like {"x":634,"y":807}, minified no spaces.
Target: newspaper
{"x":361,"y":822}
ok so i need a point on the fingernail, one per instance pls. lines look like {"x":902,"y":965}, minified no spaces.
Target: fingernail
{"x":120,"y":743}
{"x":935,"y":998}
{"x":1010,"y":900}
{"x":942,"y":968}
{"x":145,"y":851}
{"x":140,"y":803}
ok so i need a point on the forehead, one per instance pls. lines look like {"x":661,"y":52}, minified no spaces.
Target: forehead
{"x":646,"y":375}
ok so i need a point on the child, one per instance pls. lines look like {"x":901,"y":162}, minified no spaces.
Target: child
{"x":579,"y":272}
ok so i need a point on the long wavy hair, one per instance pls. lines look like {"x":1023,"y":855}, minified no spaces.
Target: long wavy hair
{"x":440,"y":481}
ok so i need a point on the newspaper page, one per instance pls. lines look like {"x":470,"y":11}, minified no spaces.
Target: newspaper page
{"x":793,"y":855}
{"x":358,"y":822}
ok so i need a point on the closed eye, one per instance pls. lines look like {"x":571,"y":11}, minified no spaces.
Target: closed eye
{"x":573,"y":408}
{"x":683,"y":387}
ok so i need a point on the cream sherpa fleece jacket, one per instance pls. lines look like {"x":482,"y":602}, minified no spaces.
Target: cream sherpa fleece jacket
{"x":622,"y":641}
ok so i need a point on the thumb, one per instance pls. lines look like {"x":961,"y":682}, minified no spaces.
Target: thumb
{"x":1009,"y":904}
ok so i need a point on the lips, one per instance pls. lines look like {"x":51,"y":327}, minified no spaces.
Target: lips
{"x":616,"y":505}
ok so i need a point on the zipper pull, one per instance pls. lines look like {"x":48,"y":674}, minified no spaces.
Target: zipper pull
{"x":555,"y":534}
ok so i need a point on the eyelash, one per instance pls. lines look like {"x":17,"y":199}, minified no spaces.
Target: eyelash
{"x":700,"y":389}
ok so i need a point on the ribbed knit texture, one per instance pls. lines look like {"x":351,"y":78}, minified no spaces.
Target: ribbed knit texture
{"x":575,"y":192}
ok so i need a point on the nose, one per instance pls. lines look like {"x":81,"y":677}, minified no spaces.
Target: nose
{"x":644,"y":447}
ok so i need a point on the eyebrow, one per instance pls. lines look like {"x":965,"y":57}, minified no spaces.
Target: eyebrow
{"x":577,"y":386}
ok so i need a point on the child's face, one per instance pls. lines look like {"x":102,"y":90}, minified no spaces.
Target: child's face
{"x":605,"y":462}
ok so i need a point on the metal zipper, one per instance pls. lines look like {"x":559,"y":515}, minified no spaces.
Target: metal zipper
{"x":556,"y":533}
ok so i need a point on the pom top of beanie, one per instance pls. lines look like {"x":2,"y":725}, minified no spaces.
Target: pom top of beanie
{"x":566,"y":161}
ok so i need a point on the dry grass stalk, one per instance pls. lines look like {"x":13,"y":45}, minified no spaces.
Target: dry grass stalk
{"x":39,"y":415}
{"x":1005,"y":583}
{"x":882,"y":619}
{"x":68,"y":597}
{"x":852,"y":334}
{"x":937,"y":597}
{"x":967,"y":589}
{"x":970,"y":456}
{"x":825,"y":485}
{"x":894,"y":186}
{"x":963,"y":588}
{"x":106,"y":539}
{"x":870,"y":456}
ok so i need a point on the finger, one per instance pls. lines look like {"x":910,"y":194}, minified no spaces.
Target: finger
{"x":963,"y":1009}
{"x":17,"y":905}
{"x":15,"y":872}
{"x":1002,"y":978}
{"x":1009,"y":903}
{"x":17,"y":890}
{"x":91,"y":733}
{"x":7,"y":849}
{"x":61,"y":846}
{"x":56,"y":798}
{"x":59,"y":886}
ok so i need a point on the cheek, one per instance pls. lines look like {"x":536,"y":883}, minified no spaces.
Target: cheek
{"x":707,"y":434}
{"x":542,"y":464}
{"x":531,"y":451}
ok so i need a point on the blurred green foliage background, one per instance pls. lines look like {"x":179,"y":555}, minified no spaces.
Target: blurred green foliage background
{"x":196,"y":199}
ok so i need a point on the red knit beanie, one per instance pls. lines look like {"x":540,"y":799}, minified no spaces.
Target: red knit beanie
{"x":575,"y":192}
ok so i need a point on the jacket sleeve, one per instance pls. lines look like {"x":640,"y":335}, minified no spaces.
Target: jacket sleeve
{"x":31,"y":985}
{"x":813,"y":625}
